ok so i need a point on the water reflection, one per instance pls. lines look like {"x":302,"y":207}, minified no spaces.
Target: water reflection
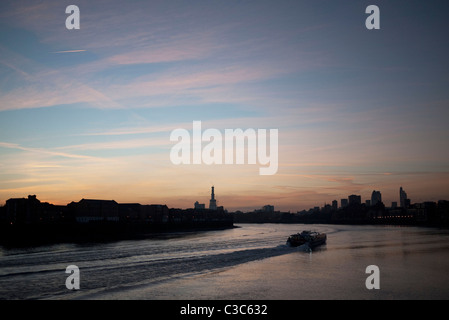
{"x":252,"y":260}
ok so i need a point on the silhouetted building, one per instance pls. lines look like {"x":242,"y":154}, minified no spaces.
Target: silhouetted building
{"x":51,"y":213}
{"x":3,"y":216}
{"x":31,"y":211}
{"x":137,"y":213}
{"x":334,"y":204}
{"x":354,"y":199}
{"x":200,"y":206}
{"x":213,"y":202}
{"x":265,"y":209}
{"x":130,"y":212}
{"x":156,"y":213}
{"x":344,"y":203}
{"x":394,"y":205}
{"x":28,"y":219}
{"x":376,"y":197}
{"x":23,"y":210}
{"x":407,"y":203}
{"x":368,"y":203}
{"x":404,"y":201}
{"x":88,"y":210}
{"x":326,"y":209}
{"x":443,"y":211}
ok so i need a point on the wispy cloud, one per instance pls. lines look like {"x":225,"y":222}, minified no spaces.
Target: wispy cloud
{"x":42,"y":86}
{"x":118,"y":145}
{"x":348,"y":119}
{"x":45,"y":151}
{"x":69,"y":51}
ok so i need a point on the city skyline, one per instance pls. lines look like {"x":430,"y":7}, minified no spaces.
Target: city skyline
{"x":88,"y":113}
{"x":376,"y":197}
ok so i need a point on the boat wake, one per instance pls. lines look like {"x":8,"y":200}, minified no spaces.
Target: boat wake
{"x":304,"y":248}
{"x":127,"y":264}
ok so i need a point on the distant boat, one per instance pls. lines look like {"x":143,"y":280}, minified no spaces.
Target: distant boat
{"x":311,"y":238}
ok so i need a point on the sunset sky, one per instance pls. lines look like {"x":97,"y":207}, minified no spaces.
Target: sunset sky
{"x":88,"y":113}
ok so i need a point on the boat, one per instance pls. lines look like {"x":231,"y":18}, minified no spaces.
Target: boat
{"x":311,"y":238}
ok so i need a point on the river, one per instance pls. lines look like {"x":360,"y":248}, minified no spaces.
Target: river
{"x":248,"y":262}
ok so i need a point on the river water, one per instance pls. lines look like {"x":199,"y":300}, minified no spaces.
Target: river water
{"x":251,"y":261}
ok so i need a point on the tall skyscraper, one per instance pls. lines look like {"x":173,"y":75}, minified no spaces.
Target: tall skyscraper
{"x":376,"y":197}
{"x":354,"y":199}
{"x":334,"y":204}
{"x":403,"y":200}
{"x":213,"y":202}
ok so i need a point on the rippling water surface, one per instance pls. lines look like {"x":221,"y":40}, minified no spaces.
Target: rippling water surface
{"x":248,"y":262}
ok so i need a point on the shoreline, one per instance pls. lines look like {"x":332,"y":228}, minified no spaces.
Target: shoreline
{"x":34,"y":235}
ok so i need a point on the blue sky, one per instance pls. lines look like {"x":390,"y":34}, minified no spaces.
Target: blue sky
{"x":88,"y":113}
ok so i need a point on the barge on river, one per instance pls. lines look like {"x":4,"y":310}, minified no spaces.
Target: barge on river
{"x":311,"y":238}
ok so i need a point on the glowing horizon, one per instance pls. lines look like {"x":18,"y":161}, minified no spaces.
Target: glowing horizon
{"x":357,"y":110}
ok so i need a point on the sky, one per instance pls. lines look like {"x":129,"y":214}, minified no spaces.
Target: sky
{"x":88,"y":113}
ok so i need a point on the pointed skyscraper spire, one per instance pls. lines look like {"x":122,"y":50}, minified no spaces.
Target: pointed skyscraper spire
{"x":213,"y":202}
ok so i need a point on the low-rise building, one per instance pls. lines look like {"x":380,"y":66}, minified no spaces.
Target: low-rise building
{"x":91,"y":210}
